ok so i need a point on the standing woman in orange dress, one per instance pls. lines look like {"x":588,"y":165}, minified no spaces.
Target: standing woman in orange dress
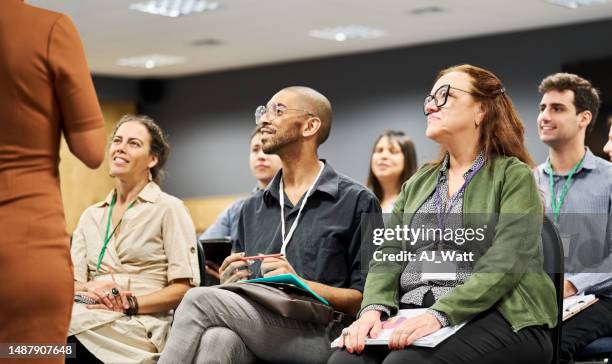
{"x":45,"y":90}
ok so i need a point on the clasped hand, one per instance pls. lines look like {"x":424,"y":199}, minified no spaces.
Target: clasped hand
{"x":102,"y":291}
{"x":404,"y":334}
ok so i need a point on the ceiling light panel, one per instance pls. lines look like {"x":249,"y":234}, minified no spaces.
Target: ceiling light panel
{"x":151,"y":61}
{"x":575,"y":4}
{"x":174,"y":8}
{"x":350,"y":32}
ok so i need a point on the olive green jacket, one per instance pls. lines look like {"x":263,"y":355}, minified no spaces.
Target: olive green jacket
{"x":509,"y":275}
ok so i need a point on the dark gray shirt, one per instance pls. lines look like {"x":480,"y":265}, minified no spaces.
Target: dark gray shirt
{"x":328,"y":243}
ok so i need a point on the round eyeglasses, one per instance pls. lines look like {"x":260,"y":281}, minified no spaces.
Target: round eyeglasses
{"x":274,"y":110}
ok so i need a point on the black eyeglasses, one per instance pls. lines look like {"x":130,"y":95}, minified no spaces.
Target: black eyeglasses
{"x":274,"y":110}
{"x":440,"y":97}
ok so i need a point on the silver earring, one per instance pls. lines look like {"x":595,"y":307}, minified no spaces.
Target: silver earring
{"x":150,"y":176}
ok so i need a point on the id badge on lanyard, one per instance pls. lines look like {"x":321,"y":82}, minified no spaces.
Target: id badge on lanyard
{"x":281,"y":193}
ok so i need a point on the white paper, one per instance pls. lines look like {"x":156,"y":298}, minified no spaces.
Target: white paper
{"x":576,"y":303}
{"x":429,"y":341}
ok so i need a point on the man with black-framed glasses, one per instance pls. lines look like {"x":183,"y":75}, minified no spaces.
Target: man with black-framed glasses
{"x":310,"y":214}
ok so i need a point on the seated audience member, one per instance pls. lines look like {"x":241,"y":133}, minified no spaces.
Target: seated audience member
{"x":263,"y":167}
{"x":580,"y":202}
{"x":393,"y":161}
{"x":608,"y":147}
{"x":312,"y":215}
{"x":134,"y":254}
{"x":505,"y":297}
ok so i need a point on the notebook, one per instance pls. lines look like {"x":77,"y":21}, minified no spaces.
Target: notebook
{"x":289,"y":279}
{"x":574,"y":304}
{"x":429,"y":341}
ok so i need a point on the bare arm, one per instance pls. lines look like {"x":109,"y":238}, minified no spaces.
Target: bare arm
{"x":88,"y":146}
{"x":165,"y":299}
{"x":346,"y":300}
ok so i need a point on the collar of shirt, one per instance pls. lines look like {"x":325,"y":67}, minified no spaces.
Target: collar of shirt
{"x":446,"y":162}
{"x":327,"y":183}
{"x":590,"y":163}
{"x":150,"y":193}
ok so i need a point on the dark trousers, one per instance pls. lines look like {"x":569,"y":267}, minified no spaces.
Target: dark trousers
{"x":592,"y":323}
{"x":486,"y":339}
{"x":83,"y":356}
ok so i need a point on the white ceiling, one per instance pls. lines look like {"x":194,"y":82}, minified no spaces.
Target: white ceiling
{"x":257,"y":32}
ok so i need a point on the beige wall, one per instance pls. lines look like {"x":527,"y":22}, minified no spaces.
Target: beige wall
{"x":81,"y":186}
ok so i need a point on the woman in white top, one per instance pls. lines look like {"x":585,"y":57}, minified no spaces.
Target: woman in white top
{"x":134,"y":254}
{"x":393,"y":161}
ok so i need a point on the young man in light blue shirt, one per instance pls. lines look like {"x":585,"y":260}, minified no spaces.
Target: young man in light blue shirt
{"x":577,"y":188}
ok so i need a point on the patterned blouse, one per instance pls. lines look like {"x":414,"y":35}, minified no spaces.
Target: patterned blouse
{"x":413,"y":288}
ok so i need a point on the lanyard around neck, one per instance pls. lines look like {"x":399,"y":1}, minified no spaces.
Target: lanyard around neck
{"x":444,"y":211}
{"x":281,"y":193}
{"x":108,"y":236}
{"x":555,"y":204}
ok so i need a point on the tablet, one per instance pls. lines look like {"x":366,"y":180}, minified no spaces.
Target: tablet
{"x":216,"y":250}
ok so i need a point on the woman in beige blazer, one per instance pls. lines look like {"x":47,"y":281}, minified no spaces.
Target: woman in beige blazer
{"x":134,"y":254}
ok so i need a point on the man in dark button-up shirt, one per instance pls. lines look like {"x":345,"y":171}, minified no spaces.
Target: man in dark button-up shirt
{"x":310,"y":214}
{"x":325,"y":247}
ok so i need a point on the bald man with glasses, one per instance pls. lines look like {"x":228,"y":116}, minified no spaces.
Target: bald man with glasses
{"x":310,"y":214}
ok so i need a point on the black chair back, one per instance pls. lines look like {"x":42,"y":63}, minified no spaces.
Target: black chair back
{"x":554,"y":265}
{"x":201,"y":263}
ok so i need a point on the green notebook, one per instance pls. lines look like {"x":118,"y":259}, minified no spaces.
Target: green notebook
{"x":289,"y":279}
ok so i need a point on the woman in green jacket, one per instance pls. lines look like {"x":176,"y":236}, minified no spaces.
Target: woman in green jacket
{"x":482,"y":180}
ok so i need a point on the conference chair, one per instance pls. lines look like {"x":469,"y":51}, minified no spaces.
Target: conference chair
{"x":554,"y":266}
{"x":201,"y":263}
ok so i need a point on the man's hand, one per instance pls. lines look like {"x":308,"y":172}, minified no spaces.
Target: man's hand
{"x":233,"y":269}
{"x":212,"y":269}
{"x":568,"y":289}
{"x":275,"y":266}
{"x":413,"y":328}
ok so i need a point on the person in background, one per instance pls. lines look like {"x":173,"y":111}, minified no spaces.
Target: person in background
{"x":504,"y":295}
{"x":580,"y":202}
{"x":46,"y":91}
{"x":134,"y":254}
{"x":608,"y":147}
{"x":393,"y":161}
{"x":263,"y":167}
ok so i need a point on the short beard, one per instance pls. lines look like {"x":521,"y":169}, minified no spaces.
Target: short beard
{"x":277,"y":141}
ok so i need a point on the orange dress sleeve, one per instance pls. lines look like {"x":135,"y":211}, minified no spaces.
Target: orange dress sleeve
{"x":72,"y":80}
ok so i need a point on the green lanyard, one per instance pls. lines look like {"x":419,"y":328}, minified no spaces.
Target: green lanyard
{"x":107,"y":236}
{"x":555,"y":204}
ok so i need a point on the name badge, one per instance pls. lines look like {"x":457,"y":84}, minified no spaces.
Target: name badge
{"x":566,"y":239}
{"x":438,"y":269}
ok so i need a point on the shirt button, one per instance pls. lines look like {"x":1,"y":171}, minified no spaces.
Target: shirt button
{"x":149,"y":335}
{"x":193,"y":250}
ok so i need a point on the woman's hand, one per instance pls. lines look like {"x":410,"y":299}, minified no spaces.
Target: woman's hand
{"x":353,"y":337}
{"x":411,"y":329}
{"x":110,"y":295}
